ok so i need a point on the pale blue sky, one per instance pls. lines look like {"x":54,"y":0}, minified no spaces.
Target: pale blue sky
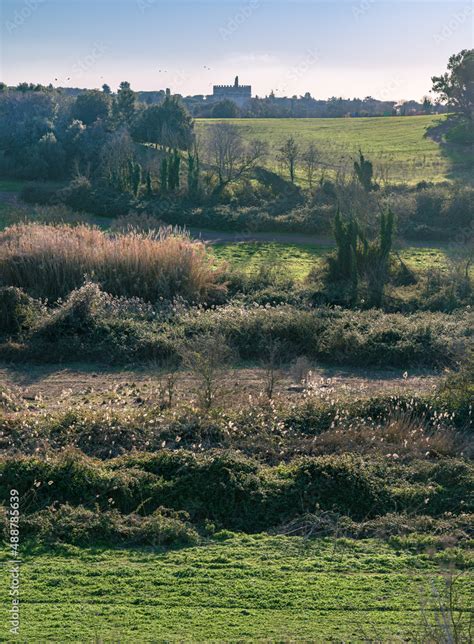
{"x":385,"y":48}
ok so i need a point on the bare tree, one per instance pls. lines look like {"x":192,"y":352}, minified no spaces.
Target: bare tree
{"x":288,"y":156}
{"x":115,"y":157}
{"x":310,"y":160}
{"x":271,"y":363}
{"x":167,"y":383}
{"x":207,"y":357}
{"x":229,"y":155}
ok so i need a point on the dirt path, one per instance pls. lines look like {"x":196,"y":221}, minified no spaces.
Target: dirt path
{"x":218,"y":236}
{"x":53,"y":386}
{"x":299,"y":239}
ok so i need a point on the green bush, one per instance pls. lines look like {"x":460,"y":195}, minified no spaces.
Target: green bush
{"x":18,"y":311}
{"x":90,"y":527}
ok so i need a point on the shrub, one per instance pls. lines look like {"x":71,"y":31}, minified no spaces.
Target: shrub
{"x":346,"y":483}
{"x":88,"y":324}
{"x":85,"y":527}
{"x":76,"y":195}
{"x":206,"y":357}
{"x":18,"y":311}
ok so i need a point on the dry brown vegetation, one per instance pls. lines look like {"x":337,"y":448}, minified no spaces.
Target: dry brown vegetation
{"x":51,"y":261}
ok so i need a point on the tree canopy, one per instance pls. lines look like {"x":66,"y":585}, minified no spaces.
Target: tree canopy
{"x":90,"y":106}
{"x":456,"y":86}
{"x":167,"y":124}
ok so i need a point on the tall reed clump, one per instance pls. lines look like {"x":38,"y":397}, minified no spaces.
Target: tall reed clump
{"x":51,"y":261}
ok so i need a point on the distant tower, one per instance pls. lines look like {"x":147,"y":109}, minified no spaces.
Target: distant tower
{"x":239,"y":94}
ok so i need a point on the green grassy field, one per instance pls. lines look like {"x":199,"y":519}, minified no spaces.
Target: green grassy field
{"x":11,"y":185}
{"x":245,"y":588}
{"x":296,"y":260}
{"x":397,"y":145}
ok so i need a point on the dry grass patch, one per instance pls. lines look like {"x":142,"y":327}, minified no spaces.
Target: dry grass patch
{"x":51,"y":261}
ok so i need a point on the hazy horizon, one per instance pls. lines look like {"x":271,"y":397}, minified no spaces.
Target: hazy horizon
{"x":384,"y":49}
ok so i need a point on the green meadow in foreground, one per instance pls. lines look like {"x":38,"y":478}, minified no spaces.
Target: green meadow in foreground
{"x":237,"y":588}
{"x":398,"y":146}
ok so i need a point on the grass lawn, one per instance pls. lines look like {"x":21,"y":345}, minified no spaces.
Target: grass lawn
{"x":296,"y":260}
{"x":396,"y":145}
{"x":242,"y":588}
{"x":11,"y":185}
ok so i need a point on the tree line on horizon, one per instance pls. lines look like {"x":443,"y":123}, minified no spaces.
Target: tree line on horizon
{"x":271,"y":106}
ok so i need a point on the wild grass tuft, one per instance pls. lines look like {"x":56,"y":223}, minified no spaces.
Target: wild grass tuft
{"x":51,"y":261}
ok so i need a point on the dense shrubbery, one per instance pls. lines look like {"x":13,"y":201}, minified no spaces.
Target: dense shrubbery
{"x":166,"y":528}
{"x":149,"y":292}
{"x":92,"y":324}
{"x":360,"y":338}
{"x":382,"y":466}
{"x":434,"y":212}
{"x":236,"y":493}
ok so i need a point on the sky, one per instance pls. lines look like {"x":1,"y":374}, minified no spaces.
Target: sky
{"x":388,"y":49}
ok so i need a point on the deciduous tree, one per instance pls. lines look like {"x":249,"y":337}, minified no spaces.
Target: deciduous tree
{"x":455,"y":87}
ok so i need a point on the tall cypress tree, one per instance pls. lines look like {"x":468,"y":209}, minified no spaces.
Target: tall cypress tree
{"x":164,"y":175}
{"x":174,"y":165}
{"x":193,"y":173}
{"x":136,"y":178}
{"x":149,"y":186}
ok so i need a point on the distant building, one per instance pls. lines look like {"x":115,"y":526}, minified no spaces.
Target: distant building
{"x":239,"y":94}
